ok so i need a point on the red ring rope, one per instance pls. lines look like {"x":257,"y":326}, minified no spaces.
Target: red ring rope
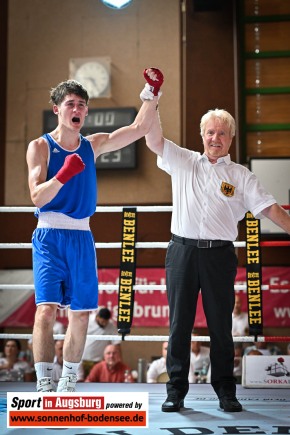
{"x":275,"y":243}
{"x":274,"y":339}
{"x":277,"y":286}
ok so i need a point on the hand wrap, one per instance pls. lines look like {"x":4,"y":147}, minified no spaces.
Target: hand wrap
{"x":72,"y":166}
{"x":146,"y":93}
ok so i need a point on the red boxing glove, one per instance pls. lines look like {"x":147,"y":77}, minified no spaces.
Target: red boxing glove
{"x":72,"y":166}
{"x":156,"y":82}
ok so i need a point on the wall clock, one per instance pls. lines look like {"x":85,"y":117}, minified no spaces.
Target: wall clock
{"x":94,"y":74}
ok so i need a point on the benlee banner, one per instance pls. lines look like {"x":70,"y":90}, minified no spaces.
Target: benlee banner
{"x":151,"y":307}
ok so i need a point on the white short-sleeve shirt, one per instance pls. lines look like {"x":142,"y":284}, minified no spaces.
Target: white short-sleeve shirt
{"x":210,"y":199}
{"x":240,"y":324}
{"x":94,"y":349}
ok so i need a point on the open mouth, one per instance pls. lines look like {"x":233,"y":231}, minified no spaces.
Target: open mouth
{"x":76,"y":119}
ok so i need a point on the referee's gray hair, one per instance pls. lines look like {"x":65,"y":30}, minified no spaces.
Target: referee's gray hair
{"x":224,"y":116}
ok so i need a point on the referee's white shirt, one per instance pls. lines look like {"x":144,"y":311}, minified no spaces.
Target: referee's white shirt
{"x":200,"y":209}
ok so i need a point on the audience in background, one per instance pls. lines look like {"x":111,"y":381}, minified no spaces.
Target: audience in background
{"x":157,"y":371}
{"x":198,"y":365}
{"x":58,"y":363}
{"x":112,"y":368}
{"x":158,"y":366}
{"x":58,"y":328}
{"x":199,"y":361}
{"x":240,"y":319}
{"x":11,"y":367}
{"x":254,"y":352}
{"x":99,"y":324}
{"x":261,"y":346}
{"x":27,"y":354}
{"x":238,"y":362}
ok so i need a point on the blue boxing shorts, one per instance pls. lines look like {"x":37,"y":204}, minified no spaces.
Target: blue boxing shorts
{"x":65,"y":268}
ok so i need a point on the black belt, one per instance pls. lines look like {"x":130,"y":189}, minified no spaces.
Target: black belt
{"x":199,"y":243}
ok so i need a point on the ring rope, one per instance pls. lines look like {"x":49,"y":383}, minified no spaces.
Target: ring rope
{"x":112,"y":245}
{"x":204,"y":338}
{"x":275,"y":243}
{"x":104,"y":209}
{"x":142,"y":245}
{"x":158,"y":245}
{"x":142,"y":287}
{"x":99,"y":208}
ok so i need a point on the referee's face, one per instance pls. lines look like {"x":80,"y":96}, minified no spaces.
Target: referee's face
{"x":216,"y":140}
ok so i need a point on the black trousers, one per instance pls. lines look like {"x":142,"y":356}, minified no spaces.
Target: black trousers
{"x":212,"y":270}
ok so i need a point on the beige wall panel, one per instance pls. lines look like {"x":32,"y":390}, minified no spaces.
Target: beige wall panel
{"x":268,"y":143}
{"x":260,"y":36}
{"x":267,"y":7}
{"x":41,"y":42}
{"x":17,"y":74}
{"x":269,"y":72}
{"x":268,"y":109}
{"x":16,"y":173}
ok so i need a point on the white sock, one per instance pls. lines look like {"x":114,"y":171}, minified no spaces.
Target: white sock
{"x":43,"y":369}
{"x":69,"y":368}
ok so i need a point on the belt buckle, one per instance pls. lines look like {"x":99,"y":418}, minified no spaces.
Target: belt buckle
{"x":204,"y":243}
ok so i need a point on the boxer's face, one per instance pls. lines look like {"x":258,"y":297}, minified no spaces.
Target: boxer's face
{"x":71,"y":112}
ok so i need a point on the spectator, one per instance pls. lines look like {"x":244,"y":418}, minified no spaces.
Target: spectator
{"x":254,"y":352}
{"x":58,"y":328}
{"x":258,"y":345}
{"x":158,"y":366}
{"x":274,"y":349}
{"x":58,"y":364}
{"x":27,"y":355}
{"x":99,"y":324}
{"x":238,"y":361}
{"x":11,"y":367}
{"x":199,"y":355}
{"x":112,"y":369}
{"x":199,"y":361}
{"x":240,"y":319}
{"x":288,"y":349}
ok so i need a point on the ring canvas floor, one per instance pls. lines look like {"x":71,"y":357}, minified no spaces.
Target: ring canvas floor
{"x":266,"y":411}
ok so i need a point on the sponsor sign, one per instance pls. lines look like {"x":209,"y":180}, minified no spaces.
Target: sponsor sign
{"x":126,"y":293}
{"x":254,"y":275}
{"x":50,"y":410}
{"x":261,"y":371}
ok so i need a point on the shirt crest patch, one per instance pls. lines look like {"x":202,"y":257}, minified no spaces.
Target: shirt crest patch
{"x":227,"y":189}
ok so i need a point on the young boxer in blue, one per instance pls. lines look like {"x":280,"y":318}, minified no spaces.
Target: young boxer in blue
{"x":63,"y":187}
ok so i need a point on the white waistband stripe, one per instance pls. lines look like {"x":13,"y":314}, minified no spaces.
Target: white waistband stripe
{"x":62,"y":222}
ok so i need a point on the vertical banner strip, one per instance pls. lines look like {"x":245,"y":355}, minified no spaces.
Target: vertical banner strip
{"x":254,"y":275}
{"x":127,"y":275}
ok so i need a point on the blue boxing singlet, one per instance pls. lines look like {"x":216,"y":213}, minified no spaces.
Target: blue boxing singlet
{"x":78,"y":197}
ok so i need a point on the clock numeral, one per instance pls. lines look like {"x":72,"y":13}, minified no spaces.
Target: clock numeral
{"x":104,"y":119}
{"x":114,"y":157}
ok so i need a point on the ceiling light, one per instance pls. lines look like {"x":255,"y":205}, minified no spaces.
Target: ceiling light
{"x":116,"y":4}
